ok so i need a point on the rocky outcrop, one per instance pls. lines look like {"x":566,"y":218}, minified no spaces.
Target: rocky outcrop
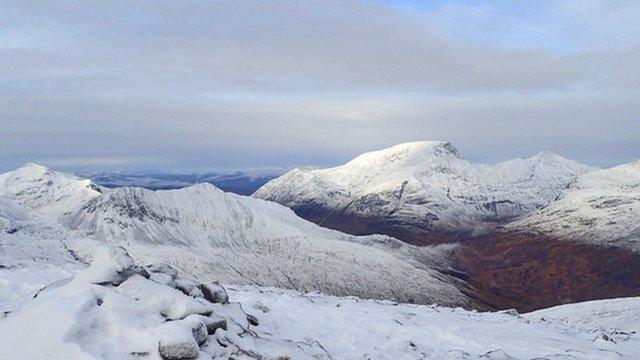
{"x":153,"y":311}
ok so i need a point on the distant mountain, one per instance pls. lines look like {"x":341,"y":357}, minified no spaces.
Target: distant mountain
{"x":601,"y":207}
{"x":243,"y":182}
{"x":47,"y":191}
{"x":214,"y":235}
{"x":422,"y":192}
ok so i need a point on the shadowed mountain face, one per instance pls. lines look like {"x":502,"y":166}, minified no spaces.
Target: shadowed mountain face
{"x":530,"y":271}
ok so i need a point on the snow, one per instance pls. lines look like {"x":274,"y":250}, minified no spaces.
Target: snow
{"x":108,"y":265}
{"x":602,"y":208}
{"x":236,"y":239}
{"x":216,"y":236}
{"x":351,"y":328}
{"x":19,"y":284}
{"x":40,"y":188}
{"x":117,"y":309}
{"x":412,"y":182}
{"x":78,"y":319}
{"x":81,"y":320}
{"x":165,"y":300}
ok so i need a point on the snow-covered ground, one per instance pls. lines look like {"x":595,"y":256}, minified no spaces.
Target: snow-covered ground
{"x":110,"y":311}
{"x":602,"y":207}
{"x":351,"y":328}
{"x":115,"y":310}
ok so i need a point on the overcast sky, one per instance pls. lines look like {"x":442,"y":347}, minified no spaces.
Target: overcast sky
{"x":197,"y":85}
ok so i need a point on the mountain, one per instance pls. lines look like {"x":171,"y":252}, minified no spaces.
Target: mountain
{"x":583,"y":245}
{"x":237,"y":239}
{"x":422,"y":192}
{"x":47,"y":191}
{"x":217,"y":236}
{"x":243,"y":182}
{"x":601,"y":208}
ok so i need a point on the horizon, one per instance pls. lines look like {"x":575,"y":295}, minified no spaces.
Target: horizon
{"x":186,"y":87}
{"x":266,"y":171}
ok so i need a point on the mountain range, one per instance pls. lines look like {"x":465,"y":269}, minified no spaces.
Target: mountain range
{"x":415,"y":223}
{"x":216,"y":236}
{"x":412,"y":223}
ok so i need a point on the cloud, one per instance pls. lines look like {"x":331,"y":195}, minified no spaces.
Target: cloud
{"x":253,"y":83}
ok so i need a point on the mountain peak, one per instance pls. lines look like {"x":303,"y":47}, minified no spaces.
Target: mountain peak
{"x":547,"y":155}
{"x":407,"y":153}
{"x":33,"y":167}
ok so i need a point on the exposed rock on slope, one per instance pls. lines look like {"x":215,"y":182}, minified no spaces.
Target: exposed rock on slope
{"x":422,"y":192}
{"x":601,"y":208}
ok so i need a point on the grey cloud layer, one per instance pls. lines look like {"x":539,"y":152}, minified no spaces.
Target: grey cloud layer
{"x":283,"y":83}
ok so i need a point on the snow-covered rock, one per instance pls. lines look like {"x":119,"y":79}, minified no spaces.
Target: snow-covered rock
{"x":601,"y":207}
{"x":139,"y":318}
{"x":224,"y":237}
{"x":414,"y":190}
{"x":47,"y":191}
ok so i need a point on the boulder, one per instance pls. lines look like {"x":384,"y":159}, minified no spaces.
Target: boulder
{"x":176,"y":341}
{"x":214,"y":293}
{"x":214,"y":322}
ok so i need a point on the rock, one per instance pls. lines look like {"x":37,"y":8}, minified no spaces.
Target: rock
{"x":512,"y":312}
{"x":215,"y":322}
{"x":498,"y":354}
{"x":197,"y":323}
{"x":196,"y":292}
{"x":162,"y":269}
{"x":169,"y":302}
{"x":111,"y":265}
{"x":214,"y":293}
{"x":252,"y":320}
{"x":176,"y":341}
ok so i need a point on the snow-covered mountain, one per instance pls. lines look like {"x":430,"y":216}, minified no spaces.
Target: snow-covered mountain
{"x":47,"y":191}
{"x":416,"y":191}
{"x":237,"y":239}
{"x":601,"y":207}
{"x":216,"y":236}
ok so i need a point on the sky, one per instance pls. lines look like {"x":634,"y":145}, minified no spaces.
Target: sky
{"x":200,"y":85}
